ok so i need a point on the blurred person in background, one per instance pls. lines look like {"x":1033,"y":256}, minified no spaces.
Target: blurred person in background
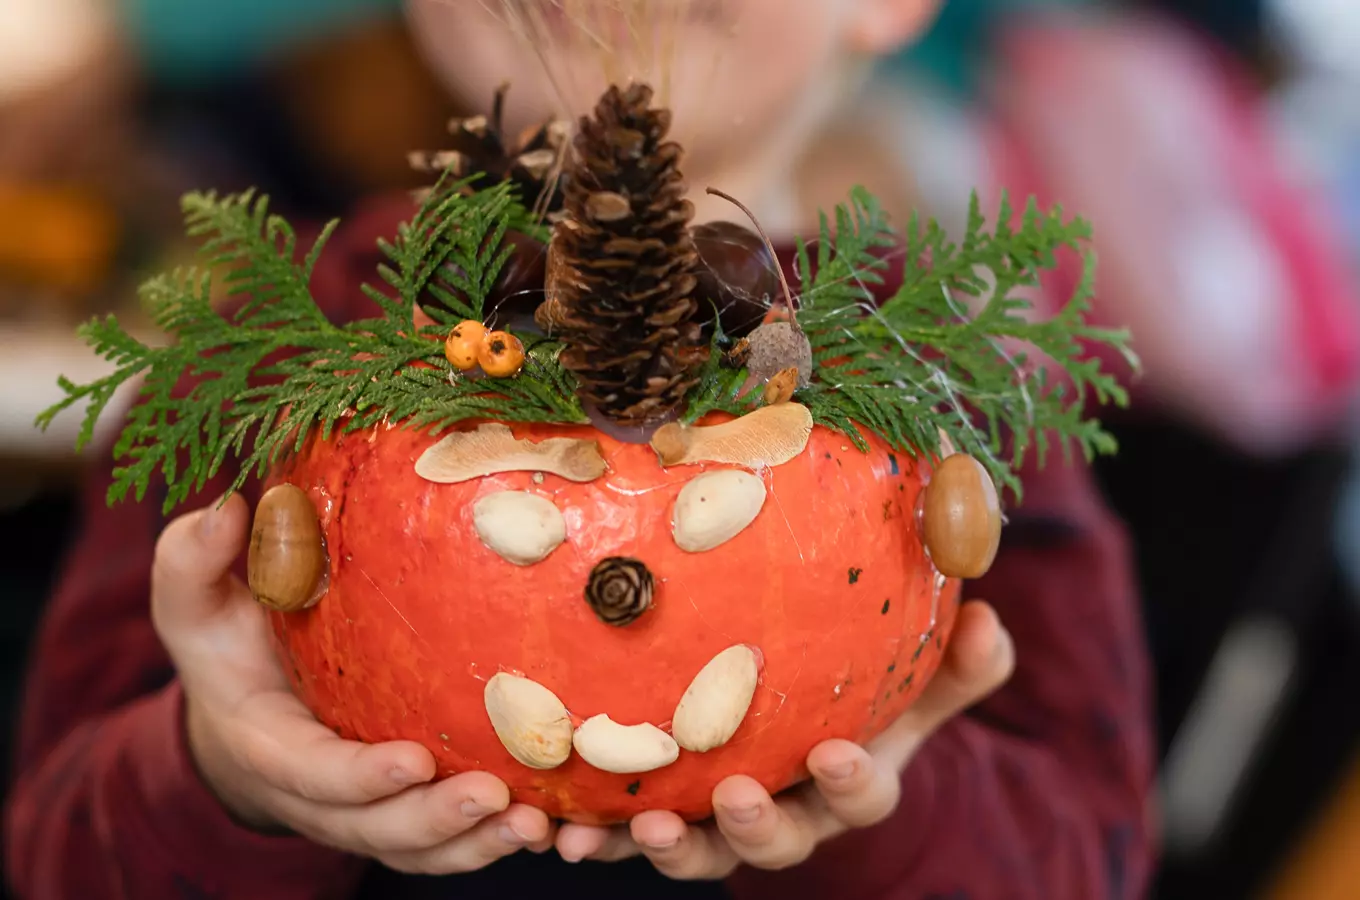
{"x":1060,"y":814}
{"x":1214,"y":146}
{"x":1231,"y":462}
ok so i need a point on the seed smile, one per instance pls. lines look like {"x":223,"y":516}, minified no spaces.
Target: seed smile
{"x":536,"y":729}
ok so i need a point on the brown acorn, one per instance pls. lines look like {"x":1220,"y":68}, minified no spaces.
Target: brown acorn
{"x":287,"y":556}
{"x":961,"y":518}
{"x":736,"y":273}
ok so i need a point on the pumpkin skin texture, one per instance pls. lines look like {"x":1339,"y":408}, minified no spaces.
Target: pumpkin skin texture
{"x":830,"y":584}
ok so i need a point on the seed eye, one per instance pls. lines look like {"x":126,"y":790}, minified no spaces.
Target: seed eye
{"x":715,"y":507}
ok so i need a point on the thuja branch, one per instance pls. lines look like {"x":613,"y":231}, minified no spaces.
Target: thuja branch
{"x":953,"y":351}
{"x":256,"y":383}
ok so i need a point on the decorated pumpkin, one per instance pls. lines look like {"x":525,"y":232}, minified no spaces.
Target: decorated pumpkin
{"x":630,"y":539}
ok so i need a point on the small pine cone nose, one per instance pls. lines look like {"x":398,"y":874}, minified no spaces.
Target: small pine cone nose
{"x":620,"y":590}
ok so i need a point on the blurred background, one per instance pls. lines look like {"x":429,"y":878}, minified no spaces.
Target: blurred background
{"x":1214,"y":143}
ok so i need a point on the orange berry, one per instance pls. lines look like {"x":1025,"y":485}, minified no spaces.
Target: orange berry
{"x":502,"y":354}
{"x":462,"y":354}
{"x":464,"y":343}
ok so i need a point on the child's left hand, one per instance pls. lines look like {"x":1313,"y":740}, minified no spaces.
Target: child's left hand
{"x":851,"y":787}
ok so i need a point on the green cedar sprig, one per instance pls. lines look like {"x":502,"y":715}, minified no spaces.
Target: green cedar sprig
{"x":925,"y":361}
{"x":257,"y":383}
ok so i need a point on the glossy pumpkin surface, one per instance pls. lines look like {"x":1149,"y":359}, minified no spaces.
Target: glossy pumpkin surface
{"x":830,"y":584}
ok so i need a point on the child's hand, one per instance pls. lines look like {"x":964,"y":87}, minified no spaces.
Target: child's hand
{"x":753,"y":829}
{"x":277,"y":769}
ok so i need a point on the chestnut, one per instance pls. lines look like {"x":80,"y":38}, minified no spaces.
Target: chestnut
{"x":518,"y":289}
{"x":737,"y":273}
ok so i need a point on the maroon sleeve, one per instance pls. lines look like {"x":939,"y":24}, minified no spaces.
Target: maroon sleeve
{"x":1042,"y":792}
{"x":106,"y":802}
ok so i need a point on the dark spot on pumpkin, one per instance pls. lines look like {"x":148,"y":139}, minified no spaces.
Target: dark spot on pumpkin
{"x":634,"y":787}
{"x":892,"y":464}
{"x":828,"y":454}
{"x":340,"y":670}
{"x":854,"y":574}
{"x":892,"y":667}
{"x":939,"y":642}
{"x":906,"y":682}
{"x":886,"y":604}
{"x":887,"y":510}
{"x":887,"y":696}
{"x":921,"y":649}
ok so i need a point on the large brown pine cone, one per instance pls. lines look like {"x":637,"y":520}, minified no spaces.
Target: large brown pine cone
{"x":628,"y":275}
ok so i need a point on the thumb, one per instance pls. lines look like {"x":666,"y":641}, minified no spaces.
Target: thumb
{"x":191,"y":579}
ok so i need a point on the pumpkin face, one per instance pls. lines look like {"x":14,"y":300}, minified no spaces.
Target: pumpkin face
{"x":828,"y":586}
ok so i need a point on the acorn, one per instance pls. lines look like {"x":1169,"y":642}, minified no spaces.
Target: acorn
{"x":287,"y":557}
{"x":961,"y":518}
{"x":737,"y":272}
{"x":776,"y":346}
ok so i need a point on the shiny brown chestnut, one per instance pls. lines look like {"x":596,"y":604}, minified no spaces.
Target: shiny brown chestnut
{"x":737,"y":273}
{"x":518,"y":289}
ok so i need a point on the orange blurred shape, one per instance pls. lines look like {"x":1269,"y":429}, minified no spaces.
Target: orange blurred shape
{"x":55,"y":236}
{"x":1326,"y":865}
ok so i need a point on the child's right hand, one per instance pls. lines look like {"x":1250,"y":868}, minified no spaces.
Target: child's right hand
{"x":267,"y":759}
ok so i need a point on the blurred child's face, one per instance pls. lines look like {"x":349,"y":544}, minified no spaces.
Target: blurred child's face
{"x":730,"y":70}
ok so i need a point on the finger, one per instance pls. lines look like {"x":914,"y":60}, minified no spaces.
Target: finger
{"x":680,"y":851}
{"x":579,"y":842}
{"x":413,"y":820}
{"x":293,"y":753}
{"x":509,"y":832}
{"x":545,"y":843}
{"x":191,"y":574}
{"x":979,"y":659}
{"x":761,"y":832}
{"x":858,"y":790}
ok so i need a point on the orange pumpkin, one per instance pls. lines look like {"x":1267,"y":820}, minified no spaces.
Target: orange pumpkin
{"x":829,"y":585}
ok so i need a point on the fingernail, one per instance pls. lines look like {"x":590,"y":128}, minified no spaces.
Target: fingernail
{"x":744,"y":814}
{"x":838,"y":772}
{"x":402,"y":777}
{"x":474,"y":810}
{"x":511,"y":836}
{"x":662,"y":845}
{"x":210,"y":518}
